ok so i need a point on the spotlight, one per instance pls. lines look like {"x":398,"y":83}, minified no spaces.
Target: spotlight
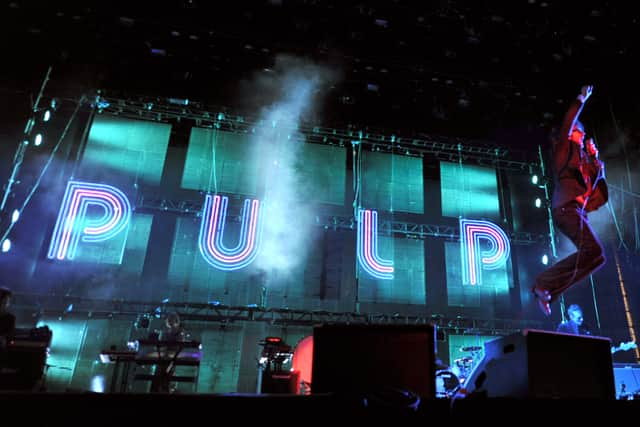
{"x":178,"y":101}
{"x":38,"y":140}
{"x":545,"y":259}
{"x":102,"y":104}
{"x":46,"y":116}
{"x":6,"y":245}
{"x":534,"y":179}
{"x":15,"y":216}
{"x":538,"y":202}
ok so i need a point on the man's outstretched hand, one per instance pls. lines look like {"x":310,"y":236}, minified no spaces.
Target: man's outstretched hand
{"x":585,"y":93}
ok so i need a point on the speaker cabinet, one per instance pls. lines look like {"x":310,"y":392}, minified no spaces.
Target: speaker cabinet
{"x":283,"y":382}
{"x":372,"y":358}
{"x":541,"y":364}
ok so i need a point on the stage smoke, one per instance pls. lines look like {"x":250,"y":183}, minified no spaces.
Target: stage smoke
{"x":294,"y":87}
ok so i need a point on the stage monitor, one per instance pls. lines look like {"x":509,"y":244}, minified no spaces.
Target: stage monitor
{"x":372,"y":358}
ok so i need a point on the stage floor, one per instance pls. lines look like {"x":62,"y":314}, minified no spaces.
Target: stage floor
{"x":125,"y":408}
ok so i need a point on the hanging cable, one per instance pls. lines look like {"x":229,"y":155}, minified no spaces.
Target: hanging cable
{"x":464,"y":182}
{"x":501,"y":202}
{"x":595,"y":301}
{"x":615,"y":222}
{"x":357,"y":169}
{"x":552,"y":233}
{"x":84,"y":140}
{"x":46,"y":165}
{"x":627,"y":307}
{"x":214,"y":139}
{"x":552,"y":236}
{"x":622,"y":190}
{"x":626,"y":157}
{"x":356,"y":163}
{"x":22,"y":146}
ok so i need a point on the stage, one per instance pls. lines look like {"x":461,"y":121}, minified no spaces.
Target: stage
{"x":120,"y":408}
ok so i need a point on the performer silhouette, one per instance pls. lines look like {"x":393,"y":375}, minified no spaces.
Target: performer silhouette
{"x":580,"y":187}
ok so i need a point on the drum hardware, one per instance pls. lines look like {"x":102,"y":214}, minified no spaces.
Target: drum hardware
{"x":447,"y":384}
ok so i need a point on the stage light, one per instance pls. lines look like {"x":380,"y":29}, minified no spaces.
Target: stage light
{"x":98,"y":384}
{"x":545,"y":259}
{"x":38,"y":140}
{"x":46,"y":116}
{"x":538,"y":202}
{"x":178,"y":101}
{"x":15,"y":215}
{"x":6,"y":245}
{"x":102,"y":104}
{"x":534,"y":179}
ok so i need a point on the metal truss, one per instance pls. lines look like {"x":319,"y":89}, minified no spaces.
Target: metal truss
{"x":75,"y":307}
{"x":388,"y":227}
{"x":443,"y":148}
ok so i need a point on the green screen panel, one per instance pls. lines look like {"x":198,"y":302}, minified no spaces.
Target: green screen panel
{"x":220,"y":365}
{"x":322,"y":173}
{"x":137,"y":241}
{"x":469,"y":191}
{"x":408,"y":283}
{"x":236,"y":169}
{"x":67,"y":339}
{"x":304,"y":271}
{"x":494,"y":282}
{"x":135,"y":148}
{"x":392,"y":182}
{"x":128,"y":248}
{"x":191,"y":278}
{"x":88,"y":373}
{"x":189,"y":271}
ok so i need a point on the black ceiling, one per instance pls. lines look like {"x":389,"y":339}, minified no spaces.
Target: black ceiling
{"x":465,"y":68}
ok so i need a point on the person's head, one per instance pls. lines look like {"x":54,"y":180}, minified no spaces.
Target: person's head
{"x":173,"y":320}
{"x":575,"y":314}
{"x":5,"y":299}
{"x":577,"y":133}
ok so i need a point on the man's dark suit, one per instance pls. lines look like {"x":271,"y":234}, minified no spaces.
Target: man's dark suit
{"x":577,"y":177}
{"x":569,"y":327}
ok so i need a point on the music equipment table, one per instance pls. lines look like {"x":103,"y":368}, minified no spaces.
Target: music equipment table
{"x":163,"y":355}
{"x":23,"y":358}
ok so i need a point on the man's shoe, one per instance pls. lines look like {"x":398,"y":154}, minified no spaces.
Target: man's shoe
{"x":544,"y":306}
{"x":541,"y":294}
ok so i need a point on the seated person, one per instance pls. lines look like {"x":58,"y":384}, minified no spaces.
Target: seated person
{"x":173,"y":329}
{"x":168,"y":354}
{"x":573,"y":325}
